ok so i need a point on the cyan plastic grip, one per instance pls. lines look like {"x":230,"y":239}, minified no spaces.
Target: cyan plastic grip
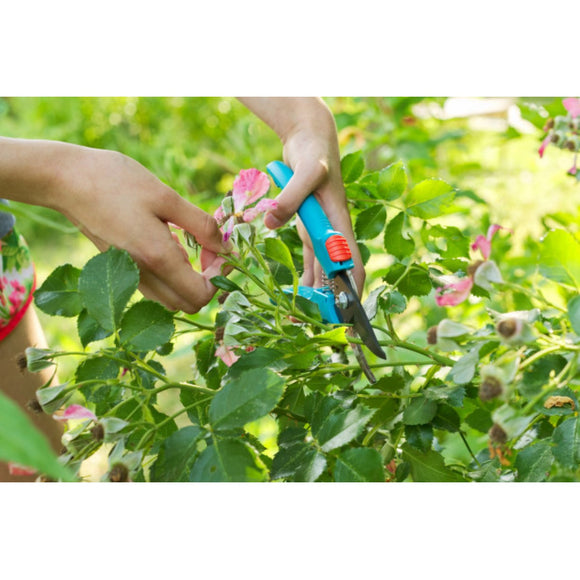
{"x":315,"y":221}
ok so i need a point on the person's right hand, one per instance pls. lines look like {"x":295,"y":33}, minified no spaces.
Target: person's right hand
{"x":115,"y":201}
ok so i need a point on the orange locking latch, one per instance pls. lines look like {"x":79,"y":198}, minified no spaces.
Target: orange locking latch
{"x":338,"y":249}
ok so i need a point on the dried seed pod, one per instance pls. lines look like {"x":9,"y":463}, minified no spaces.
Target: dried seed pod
{"x":219,"y":333}
{"x":98,"y":432}
{"x":497,"y":434}
{"x":119,"y":473}
{"x":549,"y":125}
{"x":432,"y":335}
{"x":490,"y":388}
{"x":508,"y":327}
{"x":34,"y":406}
{"x":21,"y":362}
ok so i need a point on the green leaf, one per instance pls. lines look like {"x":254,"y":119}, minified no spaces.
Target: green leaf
{"x":566,"y":440}
{"x":455,"y":243}
{"x":352,"y":166}
{"x":393,"y":302}
{"x":106,"y":284}
{"x":430,"y":198}
{"x":259,"y":358}
{"x":446,"y":418}
{"x":299,"y":462}
{"x":420,"y":411}
{"x":415,"y":282}
{"x":89,"y":329}
{"x":245,"y":398}
{"x":392,"y":181}
{"x":370,"y":222}
{"x":559,"y":258}
{"x":176,"y":455}
{"x":359,"y":465}
{"x":419,"y":436}
{"x":464,"y":369}
{"x":98,"y":368}
{"x":533,"y":463}
{"x":278,"y":251}
{"x":396,"y":243}
{"x":428,"y":466}
{"x":204,"y":354}
{"x":333,"y":426}
{"x":145,"y":326}
{"x":227,"y":460}
{"x":574,"y":314}
{"x":480,"y":419}
{"x":226,"y":284}
{"x":58,"y":295}
{"x":22,"y":443}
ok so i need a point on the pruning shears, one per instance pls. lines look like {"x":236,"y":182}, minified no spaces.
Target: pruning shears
{"x":338,"y":299}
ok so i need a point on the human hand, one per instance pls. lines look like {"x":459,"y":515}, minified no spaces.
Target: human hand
{"x":115,"y":201}
{"x":307,"y":129}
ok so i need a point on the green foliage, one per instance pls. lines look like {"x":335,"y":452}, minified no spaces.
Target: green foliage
{"x":22,"y":443}
{"x":485,"y":390}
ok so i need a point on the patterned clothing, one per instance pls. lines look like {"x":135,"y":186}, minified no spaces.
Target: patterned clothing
{"x":17,"y":276}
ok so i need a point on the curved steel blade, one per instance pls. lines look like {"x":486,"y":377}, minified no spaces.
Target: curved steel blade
{"x":352,"y":312}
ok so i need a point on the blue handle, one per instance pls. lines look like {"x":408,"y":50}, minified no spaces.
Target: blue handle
{"x":330,"y":247}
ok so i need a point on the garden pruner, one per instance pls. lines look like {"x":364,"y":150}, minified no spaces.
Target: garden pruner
{"x":337,"y":300}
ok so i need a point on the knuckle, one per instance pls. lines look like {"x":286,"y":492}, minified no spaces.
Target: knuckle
{"x":153,"y":260}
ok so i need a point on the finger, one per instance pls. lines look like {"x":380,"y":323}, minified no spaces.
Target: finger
{"x":167,"y":273}
{"x":308,"y":275}
{"x":201,"y":225}
{"x":307,"y":177}
{"x":213,"y":265}
{"x":217,"y":267}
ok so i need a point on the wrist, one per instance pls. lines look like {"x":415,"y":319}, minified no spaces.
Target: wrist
{"x":287,"y":116}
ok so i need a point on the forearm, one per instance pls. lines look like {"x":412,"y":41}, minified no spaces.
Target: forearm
{"x":287,"y":115}
{"x":30,"y":169}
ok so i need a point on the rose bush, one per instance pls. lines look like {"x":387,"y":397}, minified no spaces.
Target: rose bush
{"x":481,"y":330}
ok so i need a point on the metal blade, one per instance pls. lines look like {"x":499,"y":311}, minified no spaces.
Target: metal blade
{"x":352,"y":312}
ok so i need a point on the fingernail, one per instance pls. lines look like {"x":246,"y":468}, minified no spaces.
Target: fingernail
{"x":272,"y":222}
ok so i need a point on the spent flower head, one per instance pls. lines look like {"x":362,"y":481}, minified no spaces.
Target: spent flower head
{"x":246,"y":202}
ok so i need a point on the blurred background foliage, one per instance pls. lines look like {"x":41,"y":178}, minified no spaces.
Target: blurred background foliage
{"x":484,"y":147}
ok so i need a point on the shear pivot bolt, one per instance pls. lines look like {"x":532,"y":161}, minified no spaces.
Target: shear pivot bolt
{"x":343,"y":300}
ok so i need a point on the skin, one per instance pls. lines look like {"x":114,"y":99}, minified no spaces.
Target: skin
{"x":307,"y":130}
{"x":21,"y":385}
{"x":115,"y":201}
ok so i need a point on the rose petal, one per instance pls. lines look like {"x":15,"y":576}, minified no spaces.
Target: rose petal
{"x":219,"y":214}
{"x":228,"y":229}
{"x":455,"y":293}
{"x":572,"y":105}
{"x":249,"y":186}
{"x":227,"y":354}
{"x":544,"y":144}
{"x":267,"y":204}
{"x":483,"y":245}
{"x":75,"y":412}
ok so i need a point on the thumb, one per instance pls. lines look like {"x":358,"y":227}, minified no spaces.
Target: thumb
{"x":306,"y":178}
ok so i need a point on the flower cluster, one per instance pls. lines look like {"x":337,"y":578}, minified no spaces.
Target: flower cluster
{"x":250,"y":186}
{"x":562,"y":131}
{"x":480,"y":273}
